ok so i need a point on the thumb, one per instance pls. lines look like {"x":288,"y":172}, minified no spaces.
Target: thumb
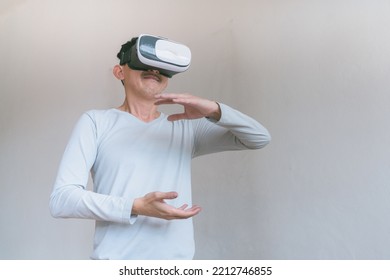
{"x":166,"y":195}
{"x":176,"y":117}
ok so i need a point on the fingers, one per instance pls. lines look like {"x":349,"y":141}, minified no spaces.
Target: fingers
{"x":183,"y":213}
{"x":164,"y":102}
{"x":176,"y":117}
{"x":157,"y":207}
{"x":160,"y":196}
{"x":174,"y":98}
{"x":164,"y":195}
{"x":173,"y":95}
{"x":194,"y":107}
{"x":183,"y":207}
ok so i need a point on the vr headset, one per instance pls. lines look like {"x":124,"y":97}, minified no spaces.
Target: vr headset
{"x":148,"y":52}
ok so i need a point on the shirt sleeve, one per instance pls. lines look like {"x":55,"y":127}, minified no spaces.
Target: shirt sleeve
{"x":70,"y":198}
{"x":234,"y":131}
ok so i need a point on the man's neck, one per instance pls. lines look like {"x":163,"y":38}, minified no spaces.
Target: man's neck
{"x":144,"y":110}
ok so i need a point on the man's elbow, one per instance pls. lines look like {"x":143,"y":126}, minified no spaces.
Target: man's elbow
{"x":54,"y":207}
{"x":262,"y":140}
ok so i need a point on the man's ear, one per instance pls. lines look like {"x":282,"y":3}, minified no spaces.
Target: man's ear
{"x":118,"y":72}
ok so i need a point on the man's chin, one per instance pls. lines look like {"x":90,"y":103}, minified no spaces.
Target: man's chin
{"x":152,"y":92}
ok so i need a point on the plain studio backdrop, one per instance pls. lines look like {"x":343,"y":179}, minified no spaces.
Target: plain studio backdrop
{"x":316,"y":73}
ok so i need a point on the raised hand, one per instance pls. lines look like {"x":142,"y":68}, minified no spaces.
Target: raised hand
{"x":194,"y":107}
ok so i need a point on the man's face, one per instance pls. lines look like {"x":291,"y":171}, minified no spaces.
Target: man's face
{"x":147,"y":83}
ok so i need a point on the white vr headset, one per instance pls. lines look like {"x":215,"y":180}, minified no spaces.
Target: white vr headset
{"x":148,"y":52}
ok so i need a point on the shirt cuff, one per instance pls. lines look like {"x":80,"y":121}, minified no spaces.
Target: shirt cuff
{"x":127,"y":216}
{"x":133,"y":219}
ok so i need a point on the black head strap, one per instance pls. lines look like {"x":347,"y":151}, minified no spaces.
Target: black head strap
{"x":124,"y":54}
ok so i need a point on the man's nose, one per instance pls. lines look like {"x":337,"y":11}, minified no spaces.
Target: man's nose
{"x":154,"y":71}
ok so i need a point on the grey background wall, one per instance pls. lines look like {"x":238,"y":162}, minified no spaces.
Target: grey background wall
{"x":315,"y":72}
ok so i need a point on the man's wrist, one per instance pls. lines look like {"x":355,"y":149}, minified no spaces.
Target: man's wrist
{"x":216,"y":115}
{"x":135,"y":209}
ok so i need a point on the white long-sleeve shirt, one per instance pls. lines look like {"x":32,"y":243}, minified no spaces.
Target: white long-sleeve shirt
{"x":129,"y":158}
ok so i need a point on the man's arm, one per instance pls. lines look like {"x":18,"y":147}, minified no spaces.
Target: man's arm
{"x":71,"y":199}
{"x":227,"y":129}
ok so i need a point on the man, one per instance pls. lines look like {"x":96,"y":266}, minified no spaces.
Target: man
{"x":140,"y":161}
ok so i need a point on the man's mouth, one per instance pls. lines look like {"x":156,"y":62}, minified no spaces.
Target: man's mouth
{"x":151,"y":75}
